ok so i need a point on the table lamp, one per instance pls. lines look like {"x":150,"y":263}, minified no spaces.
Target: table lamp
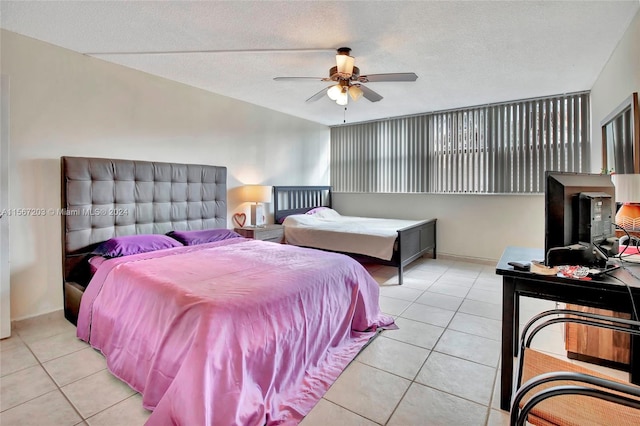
{"x":628,"y":193}
{"x":257,"y":194}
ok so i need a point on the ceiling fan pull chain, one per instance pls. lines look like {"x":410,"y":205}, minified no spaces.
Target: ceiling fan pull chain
{"x":344,"y":120}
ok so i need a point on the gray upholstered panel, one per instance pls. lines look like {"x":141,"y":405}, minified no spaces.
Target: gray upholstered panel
{"x":105,"y":198}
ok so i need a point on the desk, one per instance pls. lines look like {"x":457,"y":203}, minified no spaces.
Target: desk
{"x":602,"y":292}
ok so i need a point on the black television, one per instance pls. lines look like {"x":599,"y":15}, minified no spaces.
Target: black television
{"x":576,"y":221}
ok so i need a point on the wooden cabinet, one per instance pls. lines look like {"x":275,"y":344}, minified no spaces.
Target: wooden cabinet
{"x":274,"y":233}
{"x":597,"y":345}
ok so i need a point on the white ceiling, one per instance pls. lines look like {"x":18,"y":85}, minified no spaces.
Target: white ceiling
{"x":464,"y":53}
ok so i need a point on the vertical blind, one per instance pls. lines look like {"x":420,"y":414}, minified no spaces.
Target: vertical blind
{"x":498,"y":148}
{"x":382,"y":156}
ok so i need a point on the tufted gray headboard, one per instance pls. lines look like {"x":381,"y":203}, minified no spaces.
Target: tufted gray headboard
{"x":105,"y":198}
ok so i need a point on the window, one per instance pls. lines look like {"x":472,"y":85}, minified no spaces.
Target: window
{"x":498,"y":148}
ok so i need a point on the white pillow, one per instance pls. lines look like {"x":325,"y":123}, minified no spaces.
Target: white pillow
{"x":324,"y":213}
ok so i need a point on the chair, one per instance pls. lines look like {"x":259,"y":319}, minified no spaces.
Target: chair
{"x":558,"y":392}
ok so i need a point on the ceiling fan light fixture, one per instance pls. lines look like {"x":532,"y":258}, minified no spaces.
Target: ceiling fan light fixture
{"x":355,"y":92}
{"x":347,"y":81}
{"x":345,"y":65}
{"x":343,"y":98}
{"x":334,"y":92}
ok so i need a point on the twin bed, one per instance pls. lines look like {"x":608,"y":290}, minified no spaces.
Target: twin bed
{"x":309,"y":221}
{"x":213,"y":328}
{"x":232,"y":331}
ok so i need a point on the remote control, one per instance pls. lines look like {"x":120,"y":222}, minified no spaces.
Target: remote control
{"x":521,"y":266}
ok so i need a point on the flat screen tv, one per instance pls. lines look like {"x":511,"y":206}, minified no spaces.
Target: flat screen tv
{"x":562,"y":202}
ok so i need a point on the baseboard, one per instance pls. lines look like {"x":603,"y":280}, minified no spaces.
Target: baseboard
{"x":459,"y":258}
{"x":54,"y":314}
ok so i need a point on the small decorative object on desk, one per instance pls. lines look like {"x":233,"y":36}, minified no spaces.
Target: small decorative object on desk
{"x":574,"y":271}
{"x":541,"y":269}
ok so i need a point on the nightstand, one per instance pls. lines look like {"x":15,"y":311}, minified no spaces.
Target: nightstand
{"x":274,"y":233}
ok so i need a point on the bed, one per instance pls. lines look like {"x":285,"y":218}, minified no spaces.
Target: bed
{"x":233,"y":331}
{"x":401,"y":241}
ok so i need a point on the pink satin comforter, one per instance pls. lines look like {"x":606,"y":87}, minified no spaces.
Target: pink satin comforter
{"x":237,"y":332}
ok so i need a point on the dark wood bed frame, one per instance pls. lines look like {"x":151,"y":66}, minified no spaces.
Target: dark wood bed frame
{"x":412,"y":242}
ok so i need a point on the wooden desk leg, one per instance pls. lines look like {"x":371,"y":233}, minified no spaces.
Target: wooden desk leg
{"x":508,"y":321}
{"x":634,"y":360}
{"x":516,"y":324}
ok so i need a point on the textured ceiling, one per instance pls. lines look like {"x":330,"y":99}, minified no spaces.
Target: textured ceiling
{"x":464,"y":53}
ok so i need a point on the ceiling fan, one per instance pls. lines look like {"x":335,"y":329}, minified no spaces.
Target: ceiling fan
{"x":349,"y":81}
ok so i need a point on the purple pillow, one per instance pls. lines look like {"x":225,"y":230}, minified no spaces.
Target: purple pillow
{"x":134,"y":244}
{"x":191,"y":238}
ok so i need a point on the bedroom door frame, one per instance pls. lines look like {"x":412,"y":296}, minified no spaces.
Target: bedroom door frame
{"x":5,"y":285}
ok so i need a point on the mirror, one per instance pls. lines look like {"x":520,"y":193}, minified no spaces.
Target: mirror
{"x":621,"y":138}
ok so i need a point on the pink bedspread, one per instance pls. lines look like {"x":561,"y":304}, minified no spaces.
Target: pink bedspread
{"x":237,"y":332}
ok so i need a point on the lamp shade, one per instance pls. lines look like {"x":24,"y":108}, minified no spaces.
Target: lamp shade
{"x":334,"y":91}
{"x":343,"y":98}
{"x":256,"y":193}
{"x":345,"y":64}
{"x":627,"y":187}
{"x":628,"y":193}
{"x":355,"y":92}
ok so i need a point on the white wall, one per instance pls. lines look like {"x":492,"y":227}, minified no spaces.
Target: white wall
{"x":65,"y":103}
{"x":619,"y":78}
{"x":469,"y":226}
{"x":5,"y":286}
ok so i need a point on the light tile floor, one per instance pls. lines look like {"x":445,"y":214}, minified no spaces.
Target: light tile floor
{"x":440,"y":368}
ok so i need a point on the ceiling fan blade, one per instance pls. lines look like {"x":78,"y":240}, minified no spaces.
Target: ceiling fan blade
{"x":396,"y":76}
{"x":369,"y":94}
{"x":298,"y":78}
{"x":179,"y":52}
{"x":318,"y":95}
